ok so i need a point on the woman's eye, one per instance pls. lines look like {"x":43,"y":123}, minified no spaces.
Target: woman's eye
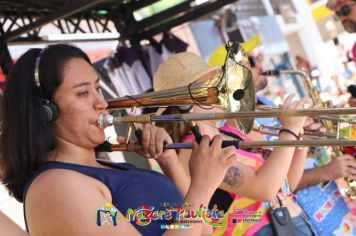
{"x":83,"y":93}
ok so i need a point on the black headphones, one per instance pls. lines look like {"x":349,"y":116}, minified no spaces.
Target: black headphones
{"x":51,"y":111}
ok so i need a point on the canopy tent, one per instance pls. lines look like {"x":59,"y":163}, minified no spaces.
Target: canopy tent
{"x":21,"y":21}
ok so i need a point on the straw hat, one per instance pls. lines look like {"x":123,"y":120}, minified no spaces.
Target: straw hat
{"x":332,"y":4}
{"x":180,"y":70}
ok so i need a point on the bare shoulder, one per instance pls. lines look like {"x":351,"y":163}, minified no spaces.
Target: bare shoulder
{"x":64,"y":202}
{"x":59,"y":183}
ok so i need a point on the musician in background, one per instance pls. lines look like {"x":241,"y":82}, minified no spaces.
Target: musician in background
{"x":317,"y":188}
{"x":345,"y":11}
{"x":253,"y":182}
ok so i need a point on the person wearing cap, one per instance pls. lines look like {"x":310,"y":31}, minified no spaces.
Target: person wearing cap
{"x":252,"y":183}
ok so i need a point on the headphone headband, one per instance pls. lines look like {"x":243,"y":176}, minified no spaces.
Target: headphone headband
{"x":37,"y":69}
{"x":51,"y":110}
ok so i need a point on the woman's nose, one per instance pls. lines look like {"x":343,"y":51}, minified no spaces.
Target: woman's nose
{"x":100,"y":102}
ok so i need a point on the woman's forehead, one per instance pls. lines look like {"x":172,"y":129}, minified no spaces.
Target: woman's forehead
{"x":76,"y":71}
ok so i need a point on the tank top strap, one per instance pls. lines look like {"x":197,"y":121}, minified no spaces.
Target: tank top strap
{"x":86,"y":170}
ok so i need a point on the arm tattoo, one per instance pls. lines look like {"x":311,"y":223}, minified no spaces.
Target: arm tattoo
{"x":234,"y":177}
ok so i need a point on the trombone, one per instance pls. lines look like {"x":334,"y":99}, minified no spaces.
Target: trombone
{"x":229,"y":88}
{"x":109,"y":120}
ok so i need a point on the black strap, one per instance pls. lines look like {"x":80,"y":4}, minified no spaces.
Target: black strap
{"x":279,"y":201}
{"x":290,"y":132}
{"x":233,"y":135}
{"x":225,"y":143}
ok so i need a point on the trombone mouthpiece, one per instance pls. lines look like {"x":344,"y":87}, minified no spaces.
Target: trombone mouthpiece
{"x":105,"y":120}
{"x":271,"y":72}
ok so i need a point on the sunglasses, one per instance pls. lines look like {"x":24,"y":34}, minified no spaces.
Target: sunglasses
{"x":252,"y":61}
{"x":344,"y":10}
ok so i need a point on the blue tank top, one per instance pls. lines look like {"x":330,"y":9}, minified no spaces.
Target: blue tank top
{"x":130,"y":187}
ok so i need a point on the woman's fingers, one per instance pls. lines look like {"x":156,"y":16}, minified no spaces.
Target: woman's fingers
{"x":313,"y":127}
{"x":195,"y":148}
{"x":308,"y":121}
{"x":146,"y":135}
{"x":231,"y":160}
{"x":121,"y":139}
{"x":229,"y":151}
{"x":162,"y":138}
{"x":307,"y":103}
{"x":204,"y":142}
{"x":152,"y":144}
{"x":153,"y":140}
{"x":287,"y":101}
{"x":216,"y":143}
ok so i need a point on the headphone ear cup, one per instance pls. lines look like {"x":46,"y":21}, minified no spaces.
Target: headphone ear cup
{"x":51,"y":110}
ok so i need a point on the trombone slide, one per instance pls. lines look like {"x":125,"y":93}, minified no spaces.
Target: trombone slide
{"x":135,"y":147}
{"x":105,"y":121}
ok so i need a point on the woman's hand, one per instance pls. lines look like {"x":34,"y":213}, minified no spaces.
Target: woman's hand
{"x":314,"y":125}
{"x":208,"y":164}
{"x":352,"y":102}
{"x":153,"y":140}
{"x":295,"y":124}
{"x":342,"y":166}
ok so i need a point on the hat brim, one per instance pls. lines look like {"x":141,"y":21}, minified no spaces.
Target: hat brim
{"x":202,"y":75}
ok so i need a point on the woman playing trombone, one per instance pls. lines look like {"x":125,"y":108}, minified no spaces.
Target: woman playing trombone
{"x":49,"y":130}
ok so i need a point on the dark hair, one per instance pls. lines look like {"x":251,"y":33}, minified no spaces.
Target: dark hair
{"x":26,"y":136}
